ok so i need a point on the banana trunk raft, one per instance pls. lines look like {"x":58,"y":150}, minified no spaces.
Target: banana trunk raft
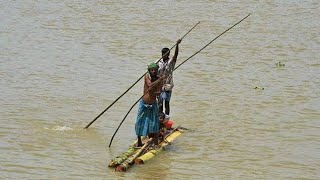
{"x":141,"y":155}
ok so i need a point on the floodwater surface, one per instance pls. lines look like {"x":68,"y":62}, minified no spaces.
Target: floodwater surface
{"x":251,"y":98}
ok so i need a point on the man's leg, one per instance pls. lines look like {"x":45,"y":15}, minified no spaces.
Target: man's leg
{"x":160,"y":106}
{"x":160,"y":102}
{"x":166,"y":99}
{"x":139,"y":141}
{"x":167,"y":106}
{"x":156,"y":139}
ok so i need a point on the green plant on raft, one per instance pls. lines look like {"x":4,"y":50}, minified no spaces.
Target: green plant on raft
{"x":118,"y":160}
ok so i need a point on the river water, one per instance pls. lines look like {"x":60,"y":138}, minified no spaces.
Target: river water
{"x":251,"y":98}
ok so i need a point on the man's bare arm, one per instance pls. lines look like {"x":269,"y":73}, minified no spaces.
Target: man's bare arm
{"x":176,"y":52}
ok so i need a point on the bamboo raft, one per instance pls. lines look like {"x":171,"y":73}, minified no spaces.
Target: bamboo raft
{"x":141,"y":155}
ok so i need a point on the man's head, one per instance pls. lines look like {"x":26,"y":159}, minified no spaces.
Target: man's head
{"x":161,"y":117}
{"x":153,"y":69}
{"x":165,"y":53}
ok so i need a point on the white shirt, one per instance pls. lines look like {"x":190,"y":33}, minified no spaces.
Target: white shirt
{"x":166,"y":69}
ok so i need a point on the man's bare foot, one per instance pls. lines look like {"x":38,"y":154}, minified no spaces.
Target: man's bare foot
{"x":139,"y":146}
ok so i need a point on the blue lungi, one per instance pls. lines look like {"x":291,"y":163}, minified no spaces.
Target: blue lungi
{"x":147,"y":120}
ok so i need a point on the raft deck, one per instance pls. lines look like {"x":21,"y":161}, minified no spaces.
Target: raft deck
{"x":141,"y":155}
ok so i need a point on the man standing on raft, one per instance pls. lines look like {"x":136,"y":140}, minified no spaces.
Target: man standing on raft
{"x":147,"y":119}
{"x":166,"y":67}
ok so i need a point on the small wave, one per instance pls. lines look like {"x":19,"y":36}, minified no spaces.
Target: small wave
{"x":60,"y":128}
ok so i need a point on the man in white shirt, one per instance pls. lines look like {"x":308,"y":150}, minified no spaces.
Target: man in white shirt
{"x":166,"y":66}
